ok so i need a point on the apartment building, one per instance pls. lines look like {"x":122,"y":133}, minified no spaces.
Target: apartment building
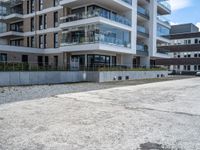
{"x":184,"y":49}
{"x":75,"y":33}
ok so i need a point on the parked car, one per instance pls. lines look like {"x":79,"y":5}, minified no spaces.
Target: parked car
{"x":198,"y":74}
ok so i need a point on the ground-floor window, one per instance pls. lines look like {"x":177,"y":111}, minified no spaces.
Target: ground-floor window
{"x":98,"y":60}
{"x":3,"y":57}
{"x":195,"y":67}
{"x":188,"y":68}
{"x":25,"y":58}
{"x":40,"y":61}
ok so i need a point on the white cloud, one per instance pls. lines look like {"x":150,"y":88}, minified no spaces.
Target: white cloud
{"x":198,"y":25}
{"x":180,"y":4}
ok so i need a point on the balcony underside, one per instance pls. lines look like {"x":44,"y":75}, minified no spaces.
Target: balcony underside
{"x":96,"y":47}
{"x":11,"y":18}
{"x":163,"y":10}
{"x":114,"y":4}
{"x":142,"y":53}
{"x":93,"y":21}
{"x":11,"y":34}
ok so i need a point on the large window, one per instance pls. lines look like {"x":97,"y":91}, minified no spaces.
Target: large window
{"x":98,"y":60}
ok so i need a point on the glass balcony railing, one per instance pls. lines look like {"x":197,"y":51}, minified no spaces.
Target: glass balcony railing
{"x":128,"y":1}
{"x":143,"y":11}
{"x":165,"y":4}
{"x":163,"y":20}
{"x":101,"y":13}
{"x":98,"y":38}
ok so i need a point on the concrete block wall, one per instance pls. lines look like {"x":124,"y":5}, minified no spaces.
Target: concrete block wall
{"x":56,"y":77}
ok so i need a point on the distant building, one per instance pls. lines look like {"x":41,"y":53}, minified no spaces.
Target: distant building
{"x":184,"y":49}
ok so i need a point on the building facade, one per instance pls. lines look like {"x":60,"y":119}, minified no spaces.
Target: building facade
{"x":75,"y":33}
{"x":184,"y":49}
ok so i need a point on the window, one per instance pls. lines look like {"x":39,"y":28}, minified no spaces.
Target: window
{"x":41,"y":41}
{"x":178,"y":67}
{"x":32,"y":24}
{"x":189,"y":55}
{"x":40,"y":22}
{"x":40,"y":61}
{"x":196,"y":41}
{"x":195,"y":55}
{"x":3,"y":57}
{"x":188,"y":68}
{"x":32,"y":6}
{"x":46,"y":59}
{"x":28,"y":44}
{"x":45,"y":21}
{"x":25,"y":58}
{"x":198,"y":67}
{"x":55,"y":19}
{"x":41,"y":4}
{"x":55,"y":40}
{"x":32,"y":41}
{"x":27,"y":5}
{"x":178,"y":56}
{"x":195,"y":67}
{"x":45,"y":41}
{"x":56,"y":61}
{"x":55,"y":2}
{"x":185,"y":68}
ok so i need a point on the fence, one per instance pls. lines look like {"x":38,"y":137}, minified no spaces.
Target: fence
{"x":18,"y":66}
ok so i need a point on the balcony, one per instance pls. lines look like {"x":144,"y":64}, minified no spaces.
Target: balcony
{"x":143,"y":12}
{"x":11,"y":16}
{"x":118,"y":5}
{"x":114,"y":18}
{"x":164,"y":7}
{"x":142,"y":31}
{"x":142,"y":50}
{"x":14,"y":32}
{"x":128,"y":2}
{"x":164,"y":21}
{"x":98,"y":38}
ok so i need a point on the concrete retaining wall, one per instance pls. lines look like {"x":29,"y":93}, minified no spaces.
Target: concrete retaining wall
{"x":130,"y":75}
{"x":31,"y":78}
{"x":54,"y":77}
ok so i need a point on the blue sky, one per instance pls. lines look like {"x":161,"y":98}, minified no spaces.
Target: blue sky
{"x":185,"y":11}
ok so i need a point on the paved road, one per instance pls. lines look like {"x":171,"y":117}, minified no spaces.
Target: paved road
{"x":162,"y":116}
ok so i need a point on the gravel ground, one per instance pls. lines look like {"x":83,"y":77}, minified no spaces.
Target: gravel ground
{"x":20,"y":93}
{"x":155,"y":116}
